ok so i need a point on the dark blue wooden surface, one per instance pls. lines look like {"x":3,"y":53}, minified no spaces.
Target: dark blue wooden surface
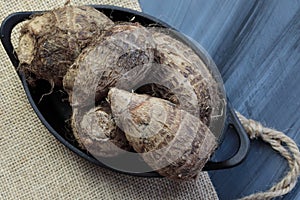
{"x":256,"y":46}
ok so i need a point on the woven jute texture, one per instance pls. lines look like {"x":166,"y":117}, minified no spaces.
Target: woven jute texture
{"x":34,"y":165}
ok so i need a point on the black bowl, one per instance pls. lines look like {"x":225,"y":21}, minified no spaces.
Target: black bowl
{"x":54,"y":112}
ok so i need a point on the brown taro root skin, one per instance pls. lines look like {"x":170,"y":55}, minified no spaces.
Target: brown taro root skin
{"x":100,"y":66}
{"x":96,"y":131}
{"x":172,"y":52}
{"x":171,"y":141}
{"x":50,"y":42}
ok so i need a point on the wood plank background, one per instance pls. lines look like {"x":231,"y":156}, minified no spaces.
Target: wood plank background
{"x":255,"y":45}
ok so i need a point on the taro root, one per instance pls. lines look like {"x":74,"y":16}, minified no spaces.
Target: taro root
{"x":100,"y":66}
{"x":50,"y":42}
{"x":170,"y":140}
{"x":171,"y":52}
{"x":95,"y":131}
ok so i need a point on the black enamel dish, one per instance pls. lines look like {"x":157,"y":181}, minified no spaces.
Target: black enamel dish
{"x":54,"y":112}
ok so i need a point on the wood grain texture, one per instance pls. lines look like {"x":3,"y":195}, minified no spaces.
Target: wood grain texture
{"x":255,"y":45}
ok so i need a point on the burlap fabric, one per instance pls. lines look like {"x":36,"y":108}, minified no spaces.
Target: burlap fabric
{"x":34,"y":165}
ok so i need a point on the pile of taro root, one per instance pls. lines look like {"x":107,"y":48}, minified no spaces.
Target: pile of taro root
{"x":131,"y":88}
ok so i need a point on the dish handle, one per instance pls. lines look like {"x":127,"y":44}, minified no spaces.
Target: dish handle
{"x":244,"y":143}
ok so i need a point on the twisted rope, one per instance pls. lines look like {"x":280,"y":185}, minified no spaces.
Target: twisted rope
{"x":282,"y":144}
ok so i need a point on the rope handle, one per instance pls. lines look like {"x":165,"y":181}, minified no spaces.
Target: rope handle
{"x":283,"y":145}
